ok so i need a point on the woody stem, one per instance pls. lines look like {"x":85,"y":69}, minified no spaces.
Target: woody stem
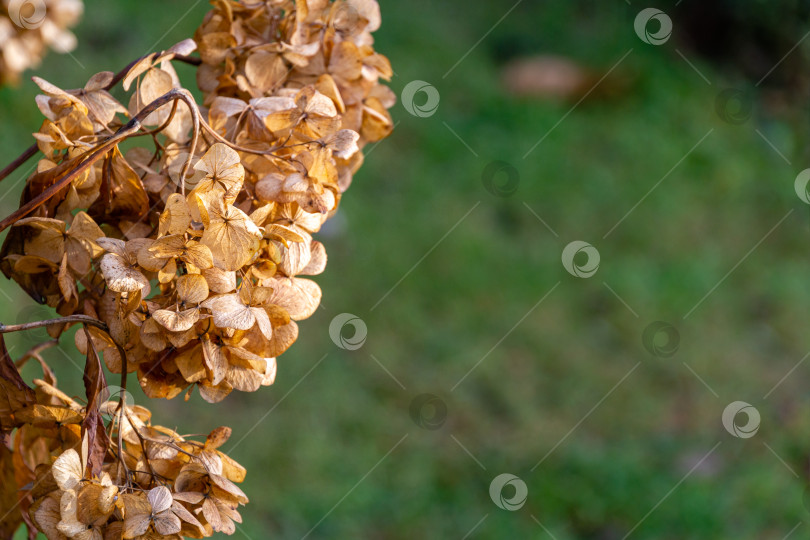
{"x":126,"y":130}
{"x":84,"y":319}
{"x":31,"y":151}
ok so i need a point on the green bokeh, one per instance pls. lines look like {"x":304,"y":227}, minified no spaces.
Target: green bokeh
{"x":317,"y":443}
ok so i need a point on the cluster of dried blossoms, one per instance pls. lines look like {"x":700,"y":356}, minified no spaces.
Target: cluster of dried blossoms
{"x":181,"y":256}
{"x":29,"y":27}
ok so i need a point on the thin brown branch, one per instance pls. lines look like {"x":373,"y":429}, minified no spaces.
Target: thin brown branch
{"x":140,"y":439}
{"x":237,"y":147}
{"x":165,"y":124}
{"x":27,"y":154}
{"x":126,"y":130}
{"x":196,"y":120}
{"x":191,"y":60}
{"x":123,"y":73}
{"x":131,"y":127}
{"x":31,"y":151}
{"x":124,"y":369}
{"x":84,"y":319}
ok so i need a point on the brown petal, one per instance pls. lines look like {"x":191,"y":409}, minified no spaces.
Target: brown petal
{"x":190,"y":364}
{"x":192,"y":288}
{"x":300,"y":297}
{"x":177,"y":321}
{"x":176,"y":217}
{"x":67,"y":469}
{"x":217,"y":437}
{"x":283,"y":338}
{"x":120,"y":276}
{"x":160,"y":498}
{"x":317,"y":261}
{"x":215,"y":361}
{"x":219,"y":281}
{"x":199,"y":255}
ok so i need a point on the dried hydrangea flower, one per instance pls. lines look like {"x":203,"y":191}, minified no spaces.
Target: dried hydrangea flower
{"x":29,"y":28}
{"x":183,"y":258}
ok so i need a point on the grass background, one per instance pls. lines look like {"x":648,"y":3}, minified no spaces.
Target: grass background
{"x":317,"y":443}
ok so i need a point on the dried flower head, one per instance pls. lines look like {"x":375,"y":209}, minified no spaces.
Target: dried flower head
{"x":186,"y":258}
{"x":28,"y":28}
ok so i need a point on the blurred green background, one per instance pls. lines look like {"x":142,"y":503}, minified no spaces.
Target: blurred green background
{"x":627,"y":441}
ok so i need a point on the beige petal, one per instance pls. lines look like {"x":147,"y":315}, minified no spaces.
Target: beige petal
{"x":229,"y":312}
{"x":300,"y":297}
{"x":263,"y":321}
{"x":107,"y":499}
{"x":120,"y":276}
{"x":151,"y":335}
{"x":214,"y":394}
{"x":135,"y":524}
{"x":191,"y":497}
{"x":211,"y":514}
{"x":314,"y":103}
{"x":66,"y":282}
{"x":160,"y":498}
{"x":85,"y":228}
{"x":232,"y":236}
{"x":215,"y":360}
{"x":220,"y":281}
{"x":154,"y":84}
{"x":168,"y":246}
{"x":226,"y":107}
{"x":229,"y":488}
{"x":46,"y":515}
{"x":231,"y":469}
{"x":190,"y":364}
{"x":283,"y":338}
{"x":112,"y":245}
{"x":343,"y":143}
{"x":180,"y":511}
{"x":150,"y":261}
{"x":224,"y":168}
{"x":286,"y":234}
{"x":199,"y":255}
{"x":168,"y":272}
{"x":270,"y":371}
{"x":176,"y":217}
{"x":265,"y":70}
{"x":192,"y":288}
{"x":71,"y":527}
{"x":294,"y":258}
{"x":177,"y":321}
{"x":244,"y":379}
{"x":317,"y":261}
{"x":67,"y":469}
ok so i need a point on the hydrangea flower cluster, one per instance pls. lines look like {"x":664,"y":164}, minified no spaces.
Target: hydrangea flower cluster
{"x":185,"y":255}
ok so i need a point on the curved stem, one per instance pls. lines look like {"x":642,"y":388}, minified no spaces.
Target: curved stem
{"x":164,"y":125}
{"x":195,"y":118}
{"x":31,"y":151}
{"x":128,"y":129}
{"x":84,"y":319}
{"x":235,"y":146}
{"x":140,"y":439}
{"x":131,"y":127}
